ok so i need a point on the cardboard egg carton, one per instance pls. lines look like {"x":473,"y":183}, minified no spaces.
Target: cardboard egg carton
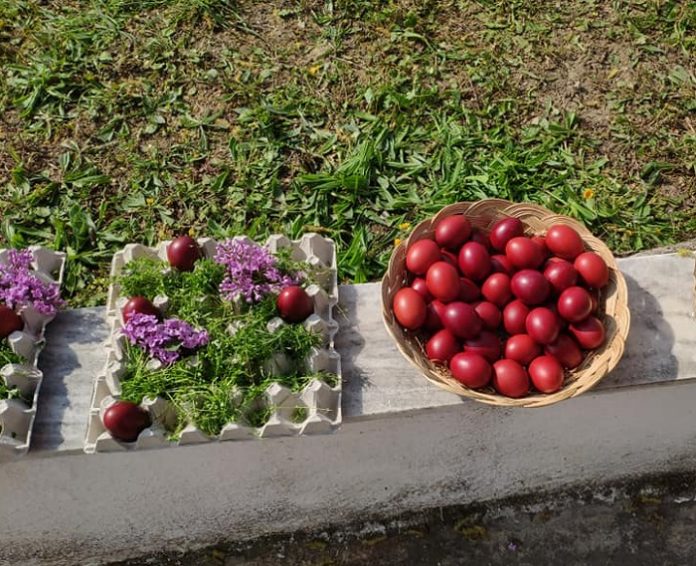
{"x":16,"y":415}
{"x":314,"y":409}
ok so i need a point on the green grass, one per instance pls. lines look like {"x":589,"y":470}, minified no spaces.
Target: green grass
{"x":133,"y":120}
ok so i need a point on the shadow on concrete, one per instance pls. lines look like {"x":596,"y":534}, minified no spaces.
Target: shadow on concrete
{"x":648,"y":356}
{"x":349,"y":342}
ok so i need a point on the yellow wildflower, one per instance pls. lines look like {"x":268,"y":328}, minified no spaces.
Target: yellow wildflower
{"x":397,"y":242}
{"x":192,"y":231}
{"x":587,"y":194}
{"x":404,"y":226}
{"x":314,"y":69}
{"x":150,"y":201}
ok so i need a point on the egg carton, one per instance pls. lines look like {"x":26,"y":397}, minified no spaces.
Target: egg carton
{"x":314,"y":409}
{"x":16,"y":416}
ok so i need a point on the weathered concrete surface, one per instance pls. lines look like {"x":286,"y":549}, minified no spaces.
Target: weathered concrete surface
{"x":377,"y":379}
{"x":645,"y":523}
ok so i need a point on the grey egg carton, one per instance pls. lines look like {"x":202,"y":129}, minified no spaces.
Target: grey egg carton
{"x":315,"y":409}
{"x":17,"y":416}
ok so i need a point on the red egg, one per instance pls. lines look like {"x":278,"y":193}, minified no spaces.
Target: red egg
{"x":488,"y":313}
{"x":546,"y":374}
{"x":474,"y":261}
{"x":560,"y":274}
{"x":420,"y":286}
{"x":510,"y":379}
{"x":471,"y":369}
{"x":541,"y":242}
{"x":295,"y":305}
{"x":10,"y":321}
{"x":504,"y":230}
{"x":543,"y":325}
{"x":566,"y":351}
{"x":443,"y":282}
{"x":530,"y":287}
{"x":469,"y":291}
{"x":139,"y":305}
{"x":589,"y":333}
{"x":462,"y":320}
{"x":564,"y":242}
{"x":524,"y":253}
{"x":574,"y":304}
{"x":409,"y":309}
{"x":501,"y":264}
{"x":125,"y":420}
{"x":521,"y":348}
{"x":183,"y":252}
{"x":442,"y":346}
{"x":486,"y":344}
{"x":450,"y":258}
{"x":496,"y":289}
{"x":593,"y":269}
{"x":421,"y":255}
{"x":453,"y":231}
{"x":435,"y":310}
{"x":515,"y":317}
{"x":480,"y":238}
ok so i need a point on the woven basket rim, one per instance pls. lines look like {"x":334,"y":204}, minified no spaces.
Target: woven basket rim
{"x":596,"y":365}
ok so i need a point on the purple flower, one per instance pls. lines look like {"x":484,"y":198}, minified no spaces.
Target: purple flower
{"x":20,"y":286}
{"x":166,"y":341}
{"x":252,"y":271}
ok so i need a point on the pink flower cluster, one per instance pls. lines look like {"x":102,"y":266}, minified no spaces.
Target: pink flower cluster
{"x":166,"y":341}
{"x":20,"y":287}
{"x":252,"y":271}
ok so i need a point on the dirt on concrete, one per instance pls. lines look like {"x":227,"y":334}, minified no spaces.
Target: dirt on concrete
{"x":651,"y":522}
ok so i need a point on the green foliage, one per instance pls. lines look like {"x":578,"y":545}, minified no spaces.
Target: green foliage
{"x":202,"y":387}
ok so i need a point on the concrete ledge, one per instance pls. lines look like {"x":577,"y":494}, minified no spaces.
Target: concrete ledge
{"x":404,"y":445}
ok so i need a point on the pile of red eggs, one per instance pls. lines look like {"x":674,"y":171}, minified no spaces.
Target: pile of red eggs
{"x":502,"y":308}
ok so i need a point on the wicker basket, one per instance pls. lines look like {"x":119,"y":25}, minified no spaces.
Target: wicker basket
{"x":483,"y":214}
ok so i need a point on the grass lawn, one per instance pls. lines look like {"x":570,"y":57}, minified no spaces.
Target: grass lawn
{"x":133,"y":120}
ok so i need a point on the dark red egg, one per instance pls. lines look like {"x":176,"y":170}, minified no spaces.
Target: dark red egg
{"x":469,"y":291}
{"x":564,"y":242}
{"x":474,"y":261}
{"x":546,"y":374}
{"x":473,"y":370}
{"x":453,"y":231}
{"x":183,"y":252}
{"x":515,"y":317}
{"x":125,"y":420}
{"x":501,"y":264}
{"x":589,"y":333}
{"x":488,"y":313}
{"x":10,"y":321}
{"x":442,"y":346}
{"x":522,"y":349}
{"x":505,"y":230}
{"x":566,"y":351}
{"x":139,"y":305}
{"x":593,"y":269}
{"x":524,"y":253}
{"x":560,"y":274}
{"x":421,"y":255}
{"x":510,"y":378}
{"x":435,"y":310}
{"x":530,"y":287}
{"x":462,"y":320}
{"x":543,"y":325}
{"x":496,"y":289}
{"x":486,"y":344}
{"x":442,"y":280}
{"x":295,"y":305}
{"x":574,"y":304}
{"x":419,"y":286}
{"x":409,"y":308}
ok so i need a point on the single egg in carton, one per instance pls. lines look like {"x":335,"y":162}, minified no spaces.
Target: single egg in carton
{"x":17,"y":414}
{"x":314,"y":409}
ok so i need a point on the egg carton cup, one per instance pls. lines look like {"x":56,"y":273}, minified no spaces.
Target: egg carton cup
{"x":16,"y":415}
{"x":314,"y":409}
